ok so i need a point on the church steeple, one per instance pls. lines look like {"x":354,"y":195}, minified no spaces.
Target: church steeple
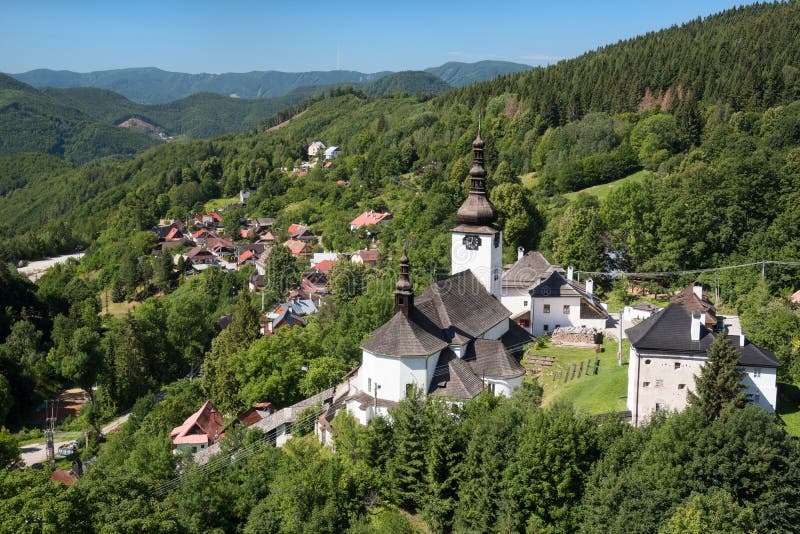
{"x":477,"y":209}
{"x":404,"y":291}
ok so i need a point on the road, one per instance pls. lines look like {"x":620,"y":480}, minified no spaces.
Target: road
{"x":35,"y":453}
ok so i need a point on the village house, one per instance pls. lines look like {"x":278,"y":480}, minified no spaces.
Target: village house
{"x":209,"y":220}
{"x":527,"y":272}
{"x":332,"y":152}
{"x":201,"y":429}
{"x":199,"y":256}
{"x":669,"y":348}
{"x":325,"y":266}
{"x":298,"y":248}
{"x":369,"y":218}
{"x":454,"y":340}
{"x":318,"y":257}
{"x":315,"y":148}
{"x":558,"y":302}
{"x":367,"y":257}
{"x":299,"y":232}
{"x":287,"y":314}
{"x":252,"y":415}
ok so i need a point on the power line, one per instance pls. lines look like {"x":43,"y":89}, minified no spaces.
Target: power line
{"x":657,"y":274}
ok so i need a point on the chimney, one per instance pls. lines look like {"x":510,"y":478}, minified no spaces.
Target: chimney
{"x":589,"y":286}
{"x":520,"y":253}
{"x":570,"y":272}
{"x":698,"y":290}
{"x":697,"y":321}
{"x":742,"y":339}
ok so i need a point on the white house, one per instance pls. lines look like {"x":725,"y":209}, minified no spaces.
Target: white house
{"x":332,"y":152}
{"x":559,"y":302}
{"x":315,"y":148}
{"x":528,"y":271}
{"x":455,"y":339}
{"x":669,"y":348}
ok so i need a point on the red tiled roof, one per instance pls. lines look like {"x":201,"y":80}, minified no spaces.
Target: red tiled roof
{"x":216,"y":216}
{"x":173,"y":234}
{"x":203,"y":426}
{"x":368,"y":254}
{"x":246,"y":255}
{"x":370,"y":217}
{"x":325,"y":265}
{"x":65,"y":477}
{"x":197,"y":251}
{"x":200,"y":233}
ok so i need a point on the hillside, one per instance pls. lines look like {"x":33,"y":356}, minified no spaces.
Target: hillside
{"x":33,"y":122}
{"x":459,"y":74}
{"x":411,"y":82}
{"x":155,"y":86}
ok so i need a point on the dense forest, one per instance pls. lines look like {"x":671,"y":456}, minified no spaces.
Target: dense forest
{"x":703,"y":155}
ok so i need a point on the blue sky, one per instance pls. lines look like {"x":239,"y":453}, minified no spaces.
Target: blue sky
{"x":368,"y":36}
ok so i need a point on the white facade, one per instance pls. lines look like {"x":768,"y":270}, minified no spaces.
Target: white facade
{"x":516,"y":299}
{"x":392,"y":375}
{"x":503,"y":386}
{"x":549,"y":313}
{"x":484,"y":258}
{"x":658,"y":382}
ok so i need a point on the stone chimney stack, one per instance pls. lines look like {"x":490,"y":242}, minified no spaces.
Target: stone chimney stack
{"x":520,"y":253}
{"x":742,"y":339}
{"x":698,"y":290}
{"x":570,"y":272}
{"x":589,"y":286}
{"x":697,"y":322}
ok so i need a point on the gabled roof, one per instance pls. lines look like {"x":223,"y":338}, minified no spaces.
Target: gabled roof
{"x":370,"y":217}
{"x":325,"y":265}
{"x":367,"y":255}
{"x":246,"y":255}
{"x":529,"y":270}
{"x":197,"y":251}
{"x":297,"y":247}
{"x":690,"y":301}
{"x":556,"y":285}
{"x":406,"y":336}
{"x":454,"y":379}
{"x":669,"y":332}
{"x":203,"y":426}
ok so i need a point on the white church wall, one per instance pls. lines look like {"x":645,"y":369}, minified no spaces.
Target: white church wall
{"x":497,"y":331}
{"x":392,"y":374}
{"x":486,"y":263}
{"x":503,"y":386}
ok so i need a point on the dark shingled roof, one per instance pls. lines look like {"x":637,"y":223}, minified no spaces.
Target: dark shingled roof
{"x":461,"y":306}
{"x":515,"y":339}
{"x":557,"y":286}
{"x":488,"y":357}
{"x":529,"y":270}
{"x":406,"y":336}
{"x":454,"y":379}
{"x":690,"y":301}
{"x":669,"y":332}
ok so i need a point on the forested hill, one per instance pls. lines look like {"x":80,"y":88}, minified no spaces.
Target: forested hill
{"x":748,"y":57}
{"x":155,"y":86}
{"x":459,"y":74}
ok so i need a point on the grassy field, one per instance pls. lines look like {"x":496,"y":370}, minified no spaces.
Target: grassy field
{"x":219,"y":203}
{"x":789,"y":407}
{"x":594,"y":394}
{"x":601,"y":191}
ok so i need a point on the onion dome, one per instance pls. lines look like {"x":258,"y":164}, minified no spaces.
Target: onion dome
{"x":477,"y":209}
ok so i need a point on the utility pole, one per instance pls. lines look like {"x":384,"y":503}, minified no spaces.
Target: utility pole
{"x":763,"y":268}
{"x":50,"y":426}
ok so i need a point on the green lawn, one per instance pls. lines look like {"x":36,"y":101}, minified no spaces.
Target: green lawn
{"x":601,"y":191}
{"x":219,"y":203}
{"x":594,"y":394}
{"x":789,"y":407}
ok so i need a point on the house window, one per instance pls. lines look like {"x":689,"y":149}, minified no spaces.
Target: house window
{"x":645,"y":384}
{"x":565,"y":311}
{"x":525,"y":303}
{"x":681,"y":386}
{"x":756,"y":372}
{"x":659,"y":383}
{"x":546,"y":308}
{"x":558,"y":326}
{"x":660,"y":407}
{"x":677,"y":365}
{"x":647,"y":362}
{"x":757,"y":399}
{"x":546,"y":328}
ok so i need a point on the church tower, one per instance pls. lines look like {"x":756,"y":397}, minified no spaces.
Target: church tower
{"x":477,"y":244}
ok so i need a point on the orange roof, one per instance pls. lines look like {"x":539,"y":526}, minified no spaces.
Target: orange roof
{"x":246,"y":255}
{"x":370,"y":217}
{"x":173,"y":233}
{"x":65,"y":477}
{"x":216,"y":216}
{"x":296,"y":228}
{"x":297,"y":247}
{"x":200,"y":233}
{"x":325,"y":265}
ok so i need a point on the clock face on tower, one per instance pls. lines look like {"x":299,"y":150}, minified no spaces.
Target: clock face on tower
{"x":472,"y":242}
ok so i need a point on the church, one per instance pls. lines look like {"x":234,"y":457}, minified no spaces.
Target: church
{"x":456,"y":338}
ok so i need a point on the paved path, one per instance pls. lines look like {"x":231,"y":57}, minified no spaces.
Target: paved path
{"x":35,"y":453}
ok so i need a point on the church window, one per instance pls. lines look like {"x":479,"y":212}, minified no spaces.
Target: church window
{"x":496,"y":274}
{"x":757,"y":399}
{"x":546,"y":328}
{"x":369,"y":384}
{"x":566,"y":309}
{"x":756,"y":372}
{"x":647,"y":362}
{"x":497,"y":240}
{"x":659,"y":383}
{"x":524,"y":302}
{"x":546,"y":308}
{"x":677,"y":365}
{"x":645,"y":384}
{"x":681,"y":386}
{"x":400,"y":300}
{"x":660,"y":407}
{"x":490,"y":386}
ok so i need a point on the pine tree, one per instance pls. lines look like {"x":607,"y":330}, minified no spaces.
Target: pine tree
{"x":719,"y":386}
{"x":406,"y":468}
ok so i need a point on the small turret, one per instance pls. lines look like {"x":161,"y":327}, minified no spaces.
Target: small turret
{"x":404,"y":291}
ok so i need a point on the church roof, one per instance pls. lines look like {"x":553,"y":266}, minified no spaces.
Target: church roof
{"x":488,"y":357}
{"x":454,"y":379}
{"x":406,"y":336}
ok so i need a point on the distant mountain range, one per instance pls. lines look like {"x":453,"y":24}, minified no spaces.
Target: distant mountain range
{"x":156,"y":86}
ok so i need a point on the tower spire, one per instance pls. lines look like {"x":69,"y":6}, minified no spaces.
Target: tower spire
{"x":403,"y":290}
{"x":477,"y":209}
